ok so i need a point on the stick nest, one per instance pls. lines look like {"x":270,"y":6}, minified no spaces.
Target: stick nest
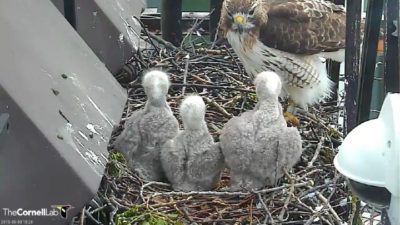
{"x":311,"y":193}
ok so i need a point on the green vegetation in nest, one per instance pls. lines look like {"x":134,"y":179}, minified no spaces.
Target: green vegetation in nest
{"x":116,"y":164}
{"x":140,"y":215}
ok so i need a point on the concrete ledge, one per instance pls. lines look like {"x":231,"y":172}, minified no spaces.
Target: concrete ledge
{"x":62,"y":104}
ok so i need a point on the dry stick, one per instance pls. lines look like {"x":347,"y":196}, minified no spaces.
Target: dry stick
{"x":215,"y":36}
{"x":227,"y":193}
{"x":90,"y":216}
{"x":82,"y":216}
{"x":201,"y":79}
{"x":185,"y":214}
{"x":353,"y":213}
{"x":316,"y":120}
{"x":98,"y":209}
{"x":214,"y":127}
{"x":326,"y":202}
{"x":233,"y":101}
{"x":189,"y":34}
{"x":196,"y":24}
{"x":203,"y":86}
{"x":266,"y":210}
{"x":317,"y":151}
{"x":112,"y":214}
{"x":251,"y":211}
{"x":308,"y":174}
{"x":290,"y":194}
{"x":145,"y":31}
{"x":187,"y":57}
{"x":312,"y":218}
{"x":211,"y":52}
{"x":218,"y":107}
{"x":147,"y":185}
{"x":163,"y":42}
{"x":315,"y":213}
{"x":118,"y":204}
{"x":326,"y":205}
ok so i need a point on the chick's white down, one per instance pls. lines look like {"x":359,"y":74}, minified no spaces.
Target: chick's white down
{"x":148,"y":129}
{"x":258,"y":145}
{"x":192,"y":161}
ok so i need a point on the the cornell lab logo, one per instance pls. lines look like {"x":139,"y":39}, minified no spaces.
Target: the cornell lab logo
{"x":63,"y":209}
{"x":56,"y":210}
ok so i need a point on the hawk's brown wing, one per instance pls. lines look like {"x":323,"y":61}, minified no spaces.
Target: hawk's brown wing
{"x":304,"y":26}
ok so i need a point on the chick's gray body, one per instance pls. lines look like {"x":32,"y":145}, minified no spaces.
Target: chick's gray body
{"x":192,"y":161}
{"x":258,"y":145}
{"x":147,"y":130}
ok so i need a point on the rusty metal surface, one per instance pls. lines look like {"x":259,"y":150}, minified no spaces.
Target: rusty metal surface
{"x":392,"y":76}
{"x":368,"y":59}
{"x":110,"y":29}
{"x":62,"y":105}
{"x":352,"y":62}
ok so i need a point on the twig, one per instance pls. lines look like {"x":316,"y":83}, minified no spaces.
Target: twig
{"x":187,"y":57}
{"x":82,"y":216}
{"x":193,"y":28}
{"x":118,"y":204}
{"x":215,"y":36}
{"x":148,"y":185}
{"x":145,"y":31}
{"x":312,"y":218}
{"x":290,"y":194}
{"x":326,"y":202}
{"x":229,"y":88}
{"x":227,"y":193}
{"x":87,"y":213}
{"x":269,"y":216}
{"x":317,"y":151}
{"x":218,"y":107}
{"x":163,"y":42}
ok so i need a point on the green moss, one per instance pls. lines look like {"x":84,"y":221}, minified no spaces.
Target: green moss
{"x":116,"y":164}
{"x":355,"y":217}
{"x":142,"y":216}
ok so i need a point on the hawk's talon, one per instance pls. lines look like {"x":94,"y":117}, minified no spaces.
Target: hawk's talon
{"x":289,"y":117}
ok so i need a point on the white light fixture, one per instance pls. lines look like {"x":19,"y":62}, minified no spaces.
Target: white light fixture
{"x":370,"y":158}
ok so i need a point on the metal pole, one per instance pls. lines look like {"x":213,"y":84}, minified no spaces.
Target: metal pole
{"x":171,"y":17}
{"x":368,"y":59}
{"x":69,"y":12}
{"x":353,"y":22}
{"x":215,"y":14}
{"x":333,"y":67}
{"x":391,"y":62}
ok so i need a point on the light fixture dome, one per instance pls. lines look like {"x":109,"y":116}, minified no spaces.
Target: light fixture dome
{"x":370,"y":157}
{"x":361,"y":155}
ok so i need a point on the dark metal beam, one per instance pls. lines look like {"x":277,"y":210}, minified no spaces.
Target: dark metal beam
{"x":171,"y":16}
{"x":215,"y":10}
{"x":368,"y":59}
{"x":391,"y":76}
{"x":353,"y":22}
{"x":69,"y":12}
{"x":333,"y":67}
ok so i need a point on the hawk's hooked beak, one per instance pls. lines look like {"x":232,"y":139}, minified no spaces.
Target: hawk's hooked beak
{"x":239,"y":19}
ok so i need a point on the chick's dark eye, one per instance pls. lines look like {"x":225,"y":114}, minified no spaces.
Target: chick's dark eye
{"x":230,"y":15}
{"x":251,"y":12}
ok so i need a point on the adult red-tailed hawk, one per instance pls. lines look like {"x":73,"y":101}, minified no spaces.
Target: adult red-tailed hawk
{"x":287,"y":37}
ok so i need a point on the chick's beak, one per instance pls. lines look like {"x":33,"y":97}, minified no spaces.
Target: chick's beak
{"x":239,"y":19}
